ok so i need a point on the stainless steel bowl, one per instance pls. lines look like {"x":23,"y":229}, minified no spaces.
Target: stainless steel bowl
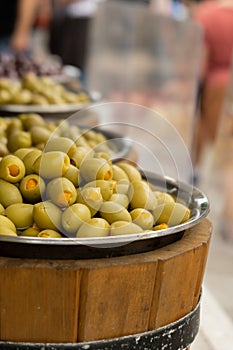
{"x":102,"y":247}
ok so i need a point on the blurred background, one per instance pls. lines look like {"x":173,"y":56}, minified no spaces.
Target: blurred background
{"x":172,"y":57}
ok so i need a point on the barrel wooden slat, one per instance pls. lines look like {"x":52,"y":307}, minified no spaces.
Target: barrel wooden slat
{"x":65,"y":301}
{"x":116,"y":301}
{"x":39,"y":304}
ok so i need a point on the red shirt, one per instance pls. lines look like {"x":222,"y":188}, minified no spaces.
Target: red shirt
{"x":217,"y":22}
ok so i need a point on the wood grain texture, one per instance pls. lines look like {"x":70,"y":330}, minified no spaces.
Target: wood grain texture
{"x":65,"y":301}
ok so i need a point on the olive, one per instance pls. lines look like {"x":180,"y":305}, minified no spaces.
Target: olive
{"x":61,"y":192}
{"x":2,"y":209}
{"x":14,"y":125}
{"x":9,"y":194}
{"x":142,"y":218}
{"x":94,"y":227}
{"x":51,"y":164}
{"x":21,"y":152}
{"x":31,"y":119}
{"x":3,"y":149}
{"x":119,"y":173}
{"x":79,"y":155}
{"x":5,"y":96}
{"x":103,"y":155}
{"x":106,"y":187}
{"x":113,"y":211}
{"x":29,"y":159}
{"x":91,"y":197}
{"x":142,"y":196}
{"x":32,"y":188}
{"x":32,"y":231}
{"x":20,"y":214}
{"x":131,"y":171}
{"x":39,"y":134}
{"x":163,"y":197}
{"x":72,"y":174}
{"x":47,"y":215}
{"x":74,"y":216}
{"x":120,"y":198}
{"x":123,"y":187}
{"x":12,"y":168}
{"x":63,"y":144}
{"x":38,"y":99}
{"x":124,"y":228}
{"x":171,"y":213}
{"x":22,"y":97}
{"x":6,"y":231}
{"x":6,"y":222}
{"x":95,"y":169}
{"x":48,"y":233}
{"x":19,"y":139}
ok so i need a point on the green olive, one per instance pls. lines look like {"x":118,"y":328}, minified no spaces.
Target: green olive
{"x":61,"y":192}
{"x":14,"y":125}
{"x":22,"y":97}
{"x":3,"y":149}
{"x":19,"y":139}
{"x":72,"y":174}
{"x":95,"y":169}
{"x":142,"y":218}
{"x":113,"y":211}
{"x":32,"y":188}
{"x":94,"y":227}
{"x":31,"y":119}
{"x":124,"y":228}
{"x":39,"y":134}
{"x":2,"y":209}
{"x":142,"y":196}
{"x":21,"y":152}
{"x":51,"y":164}
{"x":163,"y":197}
{"x":106,"y":187}
{"x":30,"y":232}
{"x":29,"y":159}
{"x":6,"y":231}
{"x":120,"y":198}
{"x":20,"y":214}
{"x":6,"y":222}
{"x":48,"y":233}
{"x":81,"y":153}
{"x":9,"y":194}
{"x":119,"y":173}
{"x":74,"y":216}
{"x":131,"y":171}
{"x":91,"y":197}
{"x":171,"y":213}
{"x":47,"y":215}
{"x":12,"y":168}
{"x":103,"y":155}
{"x":123,"y":187}
{"x":63,"y":144}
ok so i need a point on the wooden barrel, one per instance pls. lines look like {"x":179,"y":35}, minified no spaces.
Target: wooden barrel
{"x":73,"y":301}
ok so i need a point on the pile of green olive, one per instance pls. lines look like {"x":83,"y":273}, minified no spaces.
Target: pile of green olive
{"x":32,"y":130}
{"x":53,"y":185}
{"x":38,"y":90}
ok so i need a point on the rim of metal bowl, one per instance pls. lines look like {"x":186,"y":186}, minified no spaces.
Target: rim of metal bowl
{"x":194,"y":197}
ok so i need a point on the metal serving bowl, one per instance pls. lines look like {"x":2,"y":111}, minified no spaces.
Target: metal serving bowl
{"x":102,"y":247}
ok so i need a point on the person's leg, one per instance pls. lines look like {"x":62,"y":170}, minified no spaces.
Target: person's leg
{"x":210,"y":111}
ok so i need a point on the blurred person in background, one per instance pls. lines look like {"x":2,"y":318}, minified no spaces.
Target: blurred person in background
{"x":16,"y":24}
{"x":216,"y":19}
{"x":68,"y":31}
